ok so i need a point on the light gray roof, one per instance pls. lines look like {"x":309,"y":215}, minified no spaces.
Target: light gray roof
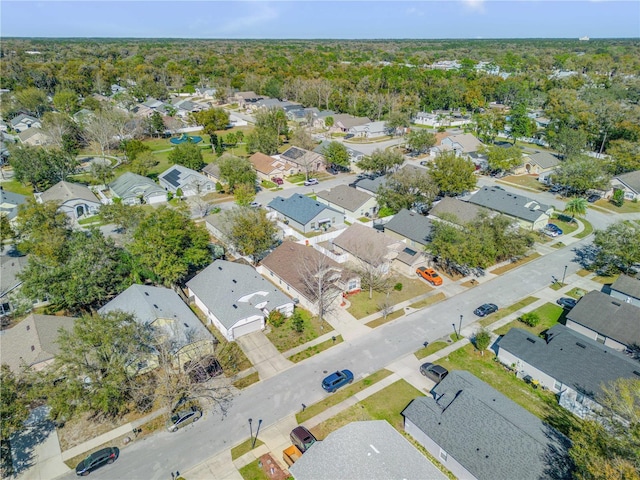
{"x":371,"y":185}
{"x":544,"y":159}
{"x":491,"y":436}
{"x":631,"y":180}
{"x":571,"y":358}
{"x":212,"y":169}
{"x":627,"y":286}
{"x":464,"y":212}
{"x":232,"y":291}
{"x":132,"y":185}
{"x":10,"y":267}
{"x":299,"y":208}
{"x":609,"y":316}
{"x":346,"y":197}
{"x":64,"y":191}
{"x":366,"y":243}
{"x":467,"y":141}
{"x":30,"y":132}
{"x":349,"y":121}
{"x":512,"y":204}
{"x":410,"y":225}
{"x":33,"y":340}
{"x":9,"y":203}
{"x":180,"y":176}
{"x":371,"y":450}
{"x":23,"y":118}
{"x":149,"y":303}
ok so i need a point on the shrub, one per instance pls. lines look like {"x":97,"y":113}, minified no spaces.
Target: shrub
{"x":618,"y":198}
{"x":297,"y":322}
{"x":482,"y":339}
{"x":219,"y":187}
{"x":398,"y":287}
{"x":275,"y":318}
{"x":532,"y":319}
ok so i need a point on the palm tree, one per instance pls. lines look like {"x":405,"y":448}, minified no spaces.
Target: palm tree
{"x":576,"y":206}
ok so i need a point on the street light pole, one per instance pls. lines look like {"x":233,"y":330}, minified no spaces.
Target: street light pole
{"x":253,"y":445}
{"x":460,"y":327}
{"x":564,"y":274}
{"x":251,"y":429}
{"x":454,"y":330}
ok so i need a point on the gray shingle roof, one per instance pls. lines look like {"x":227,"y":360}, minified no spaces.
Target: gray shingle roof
{"x":149,"y":303}
{"x":65,"y":191}
{"x":609,"y":316}
{"x":10,"y":267}
{"x":410,"y":225}
{"x":371,"y":450}
{"x":631,"y":179}
{"x":371,"y":185}
{"x":231,"y":291}
{"x":627,"y":285}
{"x":488,"y":434}
{"x":511,"y":204}
{"x":9,"y":203}
{"x":544,"y":159}
{"x":366,"y":243}
{"x":299,"y":208}
{"x":464,"y":212}
{"x":571,"y":358}
{"x":346,"y":197}
{"x":132,"y":185}
{"x":27,"y":119}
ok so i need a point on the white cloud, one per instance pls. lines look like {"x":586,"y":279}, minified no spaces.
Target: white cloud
{"x":474,"y":5}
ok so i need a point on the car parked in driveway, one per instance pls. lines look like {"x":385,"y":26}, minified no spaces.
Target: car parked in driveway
{"x":552,"y":230}
{"x":302,"y":438}
{"x":336,"y":380}
{"x":593,"y":198}
{"x":433,"y":371}
{"x":97,"y":459}
{"x":255,"y":204}
{"x":486,"y":309}
{"x":311,"y":181}
{"x":277,"y":180}
{"x":567,"y":302}
{"x":183,"y":418}
{"x":430,"y":275}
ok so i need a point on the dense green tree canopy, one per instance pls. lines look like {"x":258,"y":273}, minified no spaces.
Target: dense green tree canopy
{"x":235,"y":170}
{"x":336,"y":154}
{"x":250,"y":232}
{"x":420,"y":140}
{"x":40,"y":167}
{"x":14,"y":402}
{"x":453,"y":174}
{"x":381,"y":161}
{"x":212,"y":120}
{"x":581,"y":174}
{"x":502,"y":159}
{"x":618,"y":247}
{"x":407,"y":188}
{"x":188,"y":155}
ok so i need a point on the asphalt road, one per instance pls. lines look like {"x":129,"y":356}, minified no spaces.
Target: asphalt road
{"x":272,"y":399}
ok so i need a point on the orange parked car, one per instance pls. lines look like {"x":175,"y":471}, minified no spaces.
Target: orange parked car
{"x":430,"y":275}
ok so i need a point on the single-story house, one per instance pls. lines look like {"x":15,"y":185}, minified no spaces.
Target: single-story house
{"x":320,"y":117}
{"x":369,"y":185}
{"x":537,"y":163}
{"x":343,"y":122}
{"x":304,"y":213}
{"x":23,"y":122}
{"x":11,"y":265}
{"x":478,"y":433}
{"x":268,"y":167}
{"x":367,"y":245}
{"x":32,"y":343}
{"x":462,"y":144}
{"x":627,"y":289}
{"x":456,"y":211}
{"x":76,"y":200}
{"x":236,"y":121}
{"x":569,"y":364}
{"x":629,"y":183}
{"x":529,"y":214}
{"x":370,"y":130}
{"x":608,"y":320}
{"x":372,"y":449}
{"x":235,"y":298}
{"x":304,"y":160}
{"x":441,"y":118}
{"x":244,"y":99}
{"x":409,"y":227}
{"x":189,"y":181}
{"x":206,"y":92}
{"x":212,"y":171}
{"x":185,"y":337}
{"x":9,"y":203}
{"x":353,"y":203}
{"x":134,"y":189}
{"x":354,"y":155}
{"x":33,"y":136}
{"x":152,"y":103}
{"x":293,"y":266}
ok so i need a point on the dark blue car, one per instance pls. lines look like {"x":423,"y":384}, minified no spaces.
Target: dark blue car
{"x":337,"y":380}
{"x":486,"y":309}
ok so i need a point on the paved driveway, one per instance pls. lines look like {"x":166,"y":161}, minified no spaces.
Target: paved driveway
{"x":266,"y":358}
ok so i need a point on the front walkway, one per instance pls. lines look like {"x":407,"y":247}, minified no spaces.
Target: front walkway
{"x":266,"y":358}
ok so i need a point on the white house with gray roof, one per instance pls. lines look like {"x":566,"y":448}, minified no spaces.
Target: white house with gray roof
{"x":569,"y":364}
{"x":537,"y":163}
{"x":529,"y":213}
{"x":74,"y":199}
{"x":629,"y":183}
{"x":478,"y":433}
{"x":372,"y":449}
{"x":370,"y":130}
{"x":627,"y":289}
{"x":134,"y":189}
{"x":9,"y":203}
{"x":163,"y":309}
{"x":23,"y":122}
{"x":235,"y":298}
{"x":608,"y":319}
{"x":304,"y":213}
{"x":353,"y":203}
{"x":189,"y":181}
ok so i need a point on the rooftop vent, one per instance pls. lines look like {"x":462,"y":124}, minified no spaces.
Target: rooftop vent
{"x":33,"y":348}
{"x":28,"y":327}
{"x":146,"y":293}
{"x":581,"y":345}
{"x":616,"y":304}
{"x":234,"y":281}
{"x":155,"y":306}
{"x":186,"y":325}
{"x":529,"y":339}
{"x":219,"y":268}
{"x":235,"y":306}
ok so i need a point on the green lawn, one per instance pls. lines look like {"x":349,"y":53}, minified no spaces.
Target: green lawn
{"x":550,"y":314}
{"x":253,"y":471}
{"x":564,"y":222}
{"x":285,"y":337}
{"x":311,"y":351}
{"x":576,"y":293}
{"x":341,"y":395}
{"x":503,"y":312}
{"x":425,"y":302}
{"x":517,"y":263}
{"x":627,"y":207}
{"x":588,"y":229}
{"x":14,"y":186}
{"x":527,"y":181}
{"x":361,"y":305}
{"x":541,"y":403}
{"x":244,"y":447}
{"x":382,"y":320}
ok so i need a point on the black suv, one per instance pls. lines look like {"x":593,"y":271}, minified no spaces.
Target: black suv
{"x":96,"y":460}
{"x":302,"y":438}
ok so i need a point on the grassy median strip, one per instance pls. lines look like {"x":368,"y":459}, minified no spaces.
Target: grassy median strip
{"x":244,"y":447}
{"x":382,"y":320}
{"x":588,"y":229}
{"x":438,"y":297}
{"x":494,"y":317}
{"x":341,"y":395}
{"x":244,"y":382}
{"x":516,"y":264}
{"x":549,"y":314}
{"x":315,"y":349}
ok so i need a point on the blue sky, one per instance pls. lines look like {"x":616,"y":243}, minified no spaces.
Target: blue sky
{"x":306,"y":19}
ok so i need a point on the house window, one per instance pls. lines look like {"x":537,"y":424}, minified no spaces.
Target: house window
{"x":580,"y":398}
{"x":600,"y":338}
{"x":443,"y":455}
{"x":313,"y":225}
{"x":352,"y":285}
{"x":557,"y":385}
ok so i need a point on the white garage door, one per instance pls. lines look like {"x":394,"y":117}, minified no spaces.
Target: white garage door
{"x":247,"y":328}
